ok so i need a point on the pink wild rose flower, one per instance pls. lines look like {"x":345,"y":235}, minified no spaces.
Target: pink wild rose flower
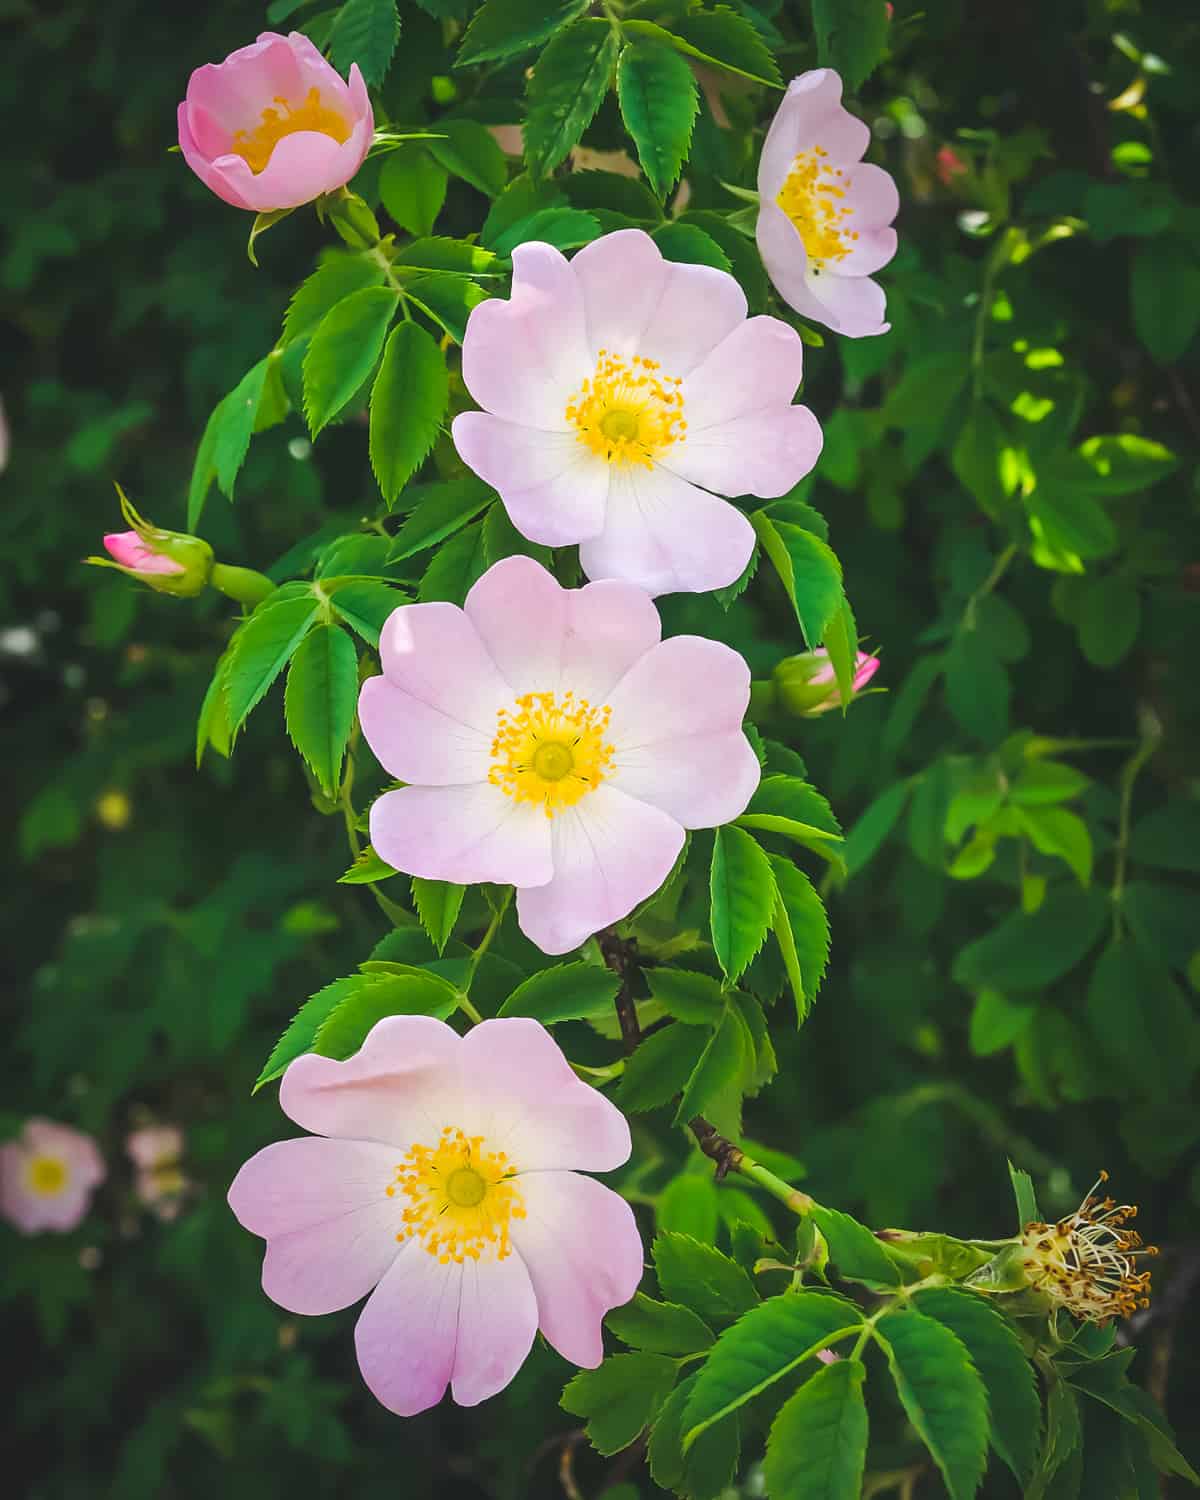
{"x":824,"y":219}
{"x":47,"y":1176}
{"x":443,"y":1179}
{"x":622,"y":395}
{"x":553,"y":741}
{"x":274,"y":125}
{"x":160,"y":1183}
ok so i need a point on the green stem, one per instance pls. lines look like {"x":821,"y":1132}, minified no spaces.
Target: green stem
{"x":485,"y":943}
{"x":1151,"y":730}
{"x":991,"y":267}
{"x":243,"y":584}
{"x":999,"y":568}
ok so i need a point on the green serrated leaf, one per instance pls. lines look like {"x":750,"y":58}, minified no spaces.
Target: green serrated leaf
{"x":212,"y":723}
{"x":367,"y":869}
{"x":412,"y":187}
{"x":1022,"y":1186}
{"x":688,"y":996}
{"x":942,"y":1394}
{"x":708,"y":1468}
{"x":802,"y":931}
{"x":337,"y":277}
{"x":440,"y":254}
{"x":365,"y":32}
{"x":720,"y":1065}
{"x":503,"y":28}
{"x":343,"y":351}
{"x":564,"y":228}
{"x":298,"y":1038}
{"x":817,"y":1447}
{"x":769,"y":1342}
{"x":851,"y":37}
{"x":441,"y":511}
{"x":566,"y":992}
{"x":365,"y":606}
{"x":319,"y":701}
{"x":742,"y":888}
{"x":620,"y":1397}
{"x":853,"y":1249}
{"x":808,"y":569}
{"x":700,"y":1277}
{"x":660,"y":1327}
{"x":457,"y":566}
{"x":690,"y":245}
{"x":408,"y":402}
{"x":989,"y":1339}
{"x":438,"y":903}
{"x":415,"y":992}
{"x":446,"y":300}
{"x":659,"y":99}
{"x":226,"y":440}
{"x":658,"y":1070}
{"x":261,"y":649}
{"x":726,"y":39}
{"x":467,"y":150}
{"x":570,"y":79}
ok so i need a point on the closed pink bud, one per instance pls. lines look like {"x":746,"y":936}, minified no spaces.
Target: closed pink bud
{"x":807,"y":685}
{"x":128,"y":549}
{"x":169,"y":562}
{"x":275,"y":125}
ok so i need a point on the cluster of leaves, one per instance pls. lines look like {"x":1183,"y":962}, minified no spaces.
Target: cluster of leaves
{"x":1008,"y":481}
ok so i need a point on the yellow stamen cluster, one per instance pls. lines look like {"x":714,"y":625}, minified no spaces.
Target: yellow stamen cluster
{"x":46,"y":1176}
{"x":812,"y":197}
{"x":461,"y":1198}
{"x":1086,"y":1262}
{"x":255,"y":146}
{"x":550,"y":750}
{"x":628,"y":413}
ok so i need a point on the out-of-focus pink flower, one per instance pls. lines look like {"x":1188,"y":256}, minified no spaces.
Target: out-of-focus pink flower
{"x":807,"y":684}
{"x":824,"y":219}
{"x":950,"y":165}
{"x":155,"y":1150}
{"x":553,"y":741}
{"x":443,"y":1179}
{"x":622,"y":395}
{"x":47,"y":1176}
{"x":274,"y":125}
{"x":128,"y":549}
{"x":508,"y":138}
{"x":155,"y":1145}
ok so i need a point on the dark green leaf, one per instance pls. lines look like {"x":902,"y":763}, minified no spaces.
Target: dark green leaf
{"x":320,"y":699}
{"x":1169,"y":837}
{"x":414,"y":993}
{"x":1109,"y":615}
{"x":808,"y":569}
{"x":343,"y":352}
{"x":702,"y":1278}
{"x":408,"y":402}
{"x":660,"y":1327}
{"x":707,"y":1469}
{"x":853,"y":1249}
{"x":851,"y":37}
{"x":442,"y":510}
{"x":620,"y":1397}
{"x":720,"y":1065}
{"x":1165,"y":286}
{"x":502,"y":28}
{"x":1072,"y":520}
{"x":458,"y":565}
{"x":413,"y":188}
{"x":566,"y":992}
{"x":365,"y":606}
{"x":262,"y":648}
{"x":726,"y":38}
{"x":564,"y":228}
{"x":690,"y":997}
{"x":468,"y":151}
{"x":1141,"y":1021}
{"x":569,"y":80}
{"x":446,"y":299}
{"x":438,"y":903}
{"x":659,"y":99}
{"x":299,"y":1036}
{"x":742,"y":888}
{"x":692,"y":246}
{"x":226,"y":440}
{"x":977,"y":687}
{"x":1026,"y":1199}
{"x":769,"y":1342}
{"x":688,"y":1205}
{"x":868,"y":834}
{"x":802,"y":931}
{"x":817,"y":1448}
{"x":1028,"y":952}
{"x":365,"y":33}
{"x":662,"y":1064}
{"x":337,"y":277}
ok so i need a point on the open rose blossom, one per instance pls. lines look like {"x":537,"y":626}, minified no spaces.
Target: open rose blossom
{"x":553,"y":741}
{"x":623,"y":394}
{"x":825,"y":215}
{"x":443,"y":1178}
{"x":47,"y":1176}
{"x":274,"y":125}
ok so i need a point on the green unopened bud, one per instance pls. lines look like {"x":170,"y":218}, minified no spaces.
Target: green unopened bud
{"x":806,"y":685}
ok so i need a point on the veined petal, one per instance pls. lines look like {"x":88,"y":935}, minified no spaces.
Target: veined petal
{"x":407,"y":1333}
{"x":851,"y":305}
{"x":763,"y":453}
{"x":497,"y":1320}
{"x":609,"y":852}
{"x":759,"y":365}
{"x":416,"y":742}
{"x":462,"y":833}
{"x":581,"y":1246}
{"x":433,"y":652}
{"x":701,"y":782}
{"x":622,"y":277}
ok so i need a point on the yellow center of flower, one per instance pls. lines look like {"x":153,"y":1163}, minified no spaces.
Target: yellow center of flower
{"x":461,"y":1198}
{"x":812,"y":197}
{"x":255,"y":146}
{"x":550,"y":750}
{"x":627,"y":413}
{"x":47,"y":1176}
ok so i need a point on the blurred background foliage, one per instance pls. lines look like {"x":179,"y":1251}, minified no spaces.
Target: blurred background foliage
{"x":1010,"y":478}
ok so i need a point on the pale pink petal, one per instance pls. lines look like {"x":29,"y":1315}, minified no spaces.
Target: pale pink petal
{"x":553,"y":487}
{"x":302,"y":167}
{"x":811,"y":115}
{"x":63,"y":1211}
{"x":610,"y":852}
{"x":77,"y":1150}
{"x":406,"y":1335}
{"x":154,"y":1145}
{"x":701,"y":782}
{"x":763,"y":453}
{"x":545,"y":638}
{"x":759,"y":365}
{"x":784,"y":256}
{"x":524,"y":358}
{"x":851,"y":305}
{"x":400,"y":1087}
{"x":622,"y":277}
{"x":128,"y":549}
{"x":869,"y":252}
{"x":462,"y":833}
{"x":316,"y":71}
{"x":433,"y":652}
{"x":581,"y":1246}
{"x":871,"y":196}
{"x":699,"y":307}
{"x":416,"y":742}
{"x":497,"y":1321}
{"x":865,"y":668}
{"x":664,"y":535}
{"x":522,"y":1096}
{"x":17,"y":1204}
{"x":322,"y":1206}
{"x":235,"y":92}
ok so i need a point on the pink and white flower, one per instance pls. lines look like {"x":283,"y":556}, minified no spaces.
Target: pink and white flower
{"x":824,"y":220}
{"x":553,"y":741}
{"x":443,"y":1178}
{"x":47,"y":1176}
{"x":622,"y":394}
{"x":160,"y":1183}
{"x":274,"y":125}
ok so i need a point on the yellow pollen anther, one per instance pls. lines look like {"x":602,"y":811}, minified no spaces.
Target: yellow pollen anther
{"x":255,"y":146}
{"x":550,"y":749}
{"x":811,"y":196}
{"x":627,"y":413}
{"x":47,"y":1176}
{"x":461,"y":1197}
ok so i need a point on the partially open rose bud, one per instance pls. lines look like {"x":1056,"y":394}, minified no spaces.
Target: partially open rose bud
{"x":807,"y":685}
{"x":170,"y":562}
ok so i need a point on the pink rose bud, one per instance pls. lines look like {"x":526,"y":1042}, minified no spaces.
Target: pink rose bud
{"x":807,"y":685}
{"x":274,"y":125}
{"x":47,"y":1177}
{"x":170,"y":562}
{"x":950,"y":165}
